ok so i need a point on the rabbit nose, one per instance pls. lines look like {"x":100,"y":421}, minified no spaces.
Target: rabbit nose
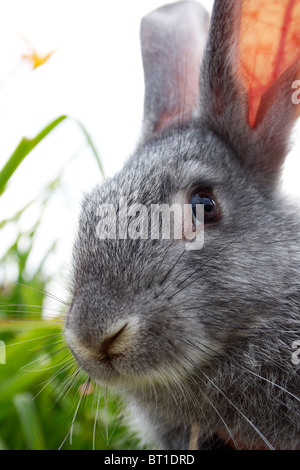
{"x":106,"y":342}
{"x":112,"y":343}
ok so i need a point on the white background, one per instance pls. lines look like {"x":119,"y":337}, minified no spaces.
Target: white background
{"x":95,"y":76}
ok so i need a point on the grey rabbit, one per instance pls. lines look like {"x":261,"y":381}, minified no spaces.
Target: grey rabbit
{"x":199,"y":342}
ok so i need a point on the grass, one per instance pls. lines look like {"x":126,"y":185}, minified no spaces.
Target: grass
{"x":46,"y":402}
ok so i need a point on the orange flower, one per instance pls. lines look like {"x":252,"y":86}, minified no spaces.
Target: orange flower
{"x":34,"y":58}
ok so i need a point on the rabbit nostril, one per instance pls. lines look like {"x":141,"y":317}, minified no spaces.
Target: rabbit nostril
{"x":109,"y":344}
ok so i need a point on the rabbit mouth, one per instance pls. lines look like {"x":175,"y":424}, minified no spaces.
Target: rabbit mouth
{"x":119,"y":361}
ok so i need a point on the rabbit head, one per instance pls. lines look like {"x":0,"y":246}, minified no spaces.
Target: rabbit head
{"x":200,"y":337}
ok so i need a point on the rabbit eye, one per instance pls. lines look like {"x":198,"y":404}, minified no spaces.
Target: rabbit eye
{"x":204,"y":196}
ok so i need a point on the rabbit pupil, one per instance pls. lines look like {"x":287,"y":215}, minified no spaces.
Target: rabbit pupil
{"x":204,"y":197}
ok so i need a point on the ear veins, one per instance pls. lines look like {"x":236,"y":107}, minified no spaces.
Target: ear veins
{"x":269,"y":45}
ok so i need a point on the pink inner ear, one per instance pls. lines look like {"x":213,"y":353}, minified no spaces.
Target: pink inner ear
{"x":173,"y":39}
{"x":269,"y":45}
{"x":186,"y":90}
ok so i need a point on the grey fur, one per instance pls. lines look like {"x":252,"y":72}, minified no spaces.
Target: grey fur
{"x":167,"y":35}
{"x":215,"y":327}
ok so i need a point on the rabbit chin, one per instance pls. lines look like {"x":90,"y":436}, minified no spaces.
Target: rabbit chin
{"x":129,"y":370}
{"x":114,"y":375}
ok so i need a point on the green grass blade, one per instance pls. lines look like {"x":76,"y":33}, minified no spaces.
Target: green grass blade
{"x":29,"y":421}
{"x":92,"y":146}
{"x":2,"y":445}
{"x":27,"y":145}
{"x":23,"y":149}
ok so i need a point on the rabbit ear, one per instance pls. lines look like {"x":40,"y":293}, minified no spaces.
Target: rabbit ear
{"x":173,"y":39}
{"x":268,"y":50}
{"x":251,"y":61}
